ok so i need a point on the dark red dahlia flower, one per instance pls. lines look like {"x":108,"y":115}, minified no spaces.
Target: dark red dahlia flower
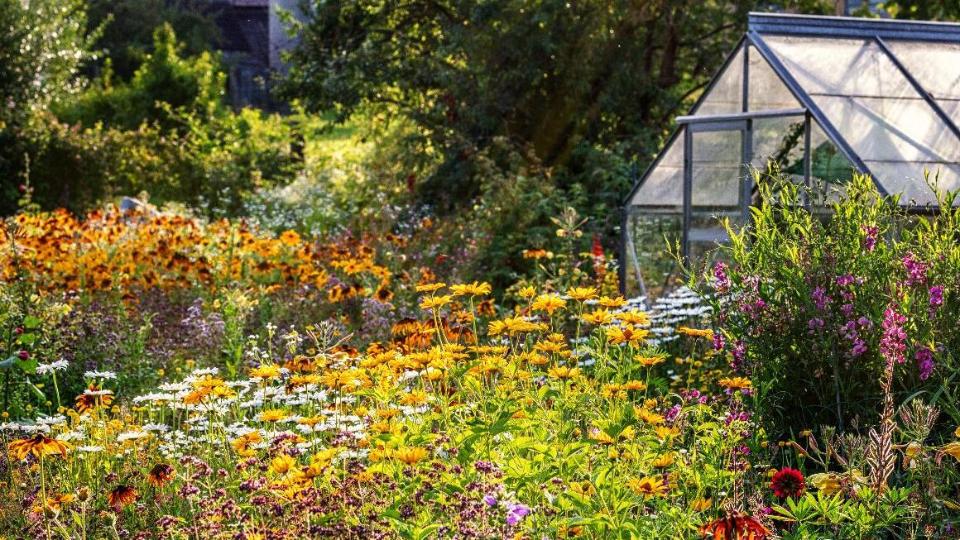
{"x":788,"y":483}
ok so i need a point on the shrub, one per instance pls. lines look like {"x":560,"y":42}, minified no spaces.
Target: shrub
{"x":814,"y":305}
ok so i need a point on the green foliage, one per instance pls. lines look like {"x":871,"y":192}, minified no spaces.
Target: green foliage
{"x":165,"y":86}
{"x":579,"y":88}
{"x":42,"y":45}
{"x":129,"y":26}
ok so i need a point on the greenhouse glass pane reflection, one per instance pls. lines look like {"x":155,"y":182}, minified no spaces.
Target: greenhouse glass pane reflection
{"x":817,"y":98}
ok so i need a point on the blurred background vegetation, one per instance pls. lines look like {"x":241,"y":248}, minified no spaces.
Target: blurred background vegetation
{"x":488,"y":116}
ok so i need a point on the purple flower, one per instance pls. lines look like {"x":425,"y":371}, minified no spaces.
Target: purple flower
{"x":925,"y":363}
{"x":843,"y":281}
{"x":739,"y":355}
{"x":814,"y":325}
{"x":490,"y":499}
{"x":859,"y":347}
{"x":516,"y":512}
{"x":870,"y":238}
{"x":916,"y":270}
{"x":721,"y":281}
{"x":936,"y":296}
{"x":820,"y":298}
{"x":893,"y":342}
{"x":718,"y":341}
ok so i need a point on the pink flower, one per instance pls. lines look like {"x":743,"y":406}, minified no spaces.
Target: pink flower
{"x":893,"y":343}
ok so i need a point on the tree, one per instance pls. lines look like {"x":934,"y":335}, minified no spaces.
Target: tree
{"x":551,"y":75}
{"x":167,"y":81}
{"x":42,"y":45}
{"x":128,"y":27}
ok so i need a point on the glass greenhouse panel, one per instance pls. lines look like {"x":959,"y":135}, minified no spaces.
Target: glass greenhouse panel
{"x":871,"y":102}
{"x":779,"y":141}
{"x":663,"y":186}
{"x":725,"y":95}
{"x":717,"y":169}
{"x":766,"y":90}
{"x":936,"y":66}
{"x":907,"y":178}
{"x":651,"y":268}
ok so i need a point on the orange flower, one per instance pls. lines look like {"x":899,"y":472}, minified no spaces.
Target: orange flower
{"x":735,"y":526}
{"x":648,"y":486}
{"x":695,"y":332}
{"x":161,"y":474}
{"x":39,"y":445}
{"x":92,"y":398}
{"x":735,"y":383}
{"x":121,"y":496}
{"x":628,"y":335}
{"x":410,"y":455}
{"x":548,"y":303}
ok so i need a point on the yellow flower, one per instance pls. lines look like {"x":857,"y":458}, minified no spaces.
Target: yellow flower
{"x":581,"y":294}
{"x":735,"y":383}
{"x":701,"y":504}
{"x":471,"y":289}
{"x":952,"y":449}
{"x":265,"y":371}
{"x":413,"y":398}
{"x":695,"y":332}
{"x":649,"y":361}
{"x":956,"y":433}
{"x":602,"y":437}
{"x":527,"y":292}
{"x":436,"y":302}
{"x":598,"y":317}
{"x":910,"y":452}
{"x":513,"y":326}
{"x":628,"y":335}
{"x":634,"y":317}
{"x":634,"y":385}
{"x":612,"y":303}
{"x":828,"y":483}
{"x":39,"y":445}
{"x":411,"y":454}
{"x":663,"y":461}
{"x":282,"y":464}
{"x":430,"y":287}
{"x":648,"y":486}
{"x":563,"y":372}
{"x":664,"y":432}
{"x":548,"y":303}
{"x":272,"y":415}
{"x":649,"y":417}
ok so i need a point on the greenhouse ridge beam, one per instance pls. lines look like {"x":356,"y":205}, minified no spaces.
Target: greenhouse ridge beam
{"x":852,"y":27}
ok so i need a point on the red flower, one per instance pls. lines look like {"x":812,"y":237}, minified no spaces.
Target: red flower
{"x":597,"y":248}
{"x":735,"y":526}
{"x":788,"y":483}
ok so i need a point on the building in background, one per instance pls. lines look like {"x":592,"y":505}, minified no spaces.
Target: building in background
{"x":253,"y":39}
{"x":817,"y":98}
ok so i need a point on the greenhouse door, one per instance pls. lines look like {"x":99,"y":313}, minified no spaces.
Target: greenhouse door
{"x":720,"y":153}
{"x":716,"y":183}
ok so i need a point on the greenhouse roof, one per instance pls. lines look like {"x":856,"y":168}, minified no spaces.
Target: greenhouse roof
{"x":822,"y":96}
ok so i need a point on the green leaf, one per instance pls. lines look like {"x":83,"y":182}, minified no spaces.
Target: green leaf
{"x":30,"y":322}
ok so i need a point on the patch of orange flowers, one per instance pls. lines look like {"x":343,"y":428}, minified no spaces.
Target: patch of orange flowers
{"x":128,"y":251}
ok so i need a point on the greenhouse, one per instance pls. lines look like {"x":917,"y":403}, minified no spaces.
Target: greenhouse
{"x":818,"y":98}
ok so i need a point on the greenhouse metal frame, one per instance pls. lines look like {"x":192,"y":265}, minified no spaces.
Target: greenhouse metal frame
{"x":877,"y":96}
